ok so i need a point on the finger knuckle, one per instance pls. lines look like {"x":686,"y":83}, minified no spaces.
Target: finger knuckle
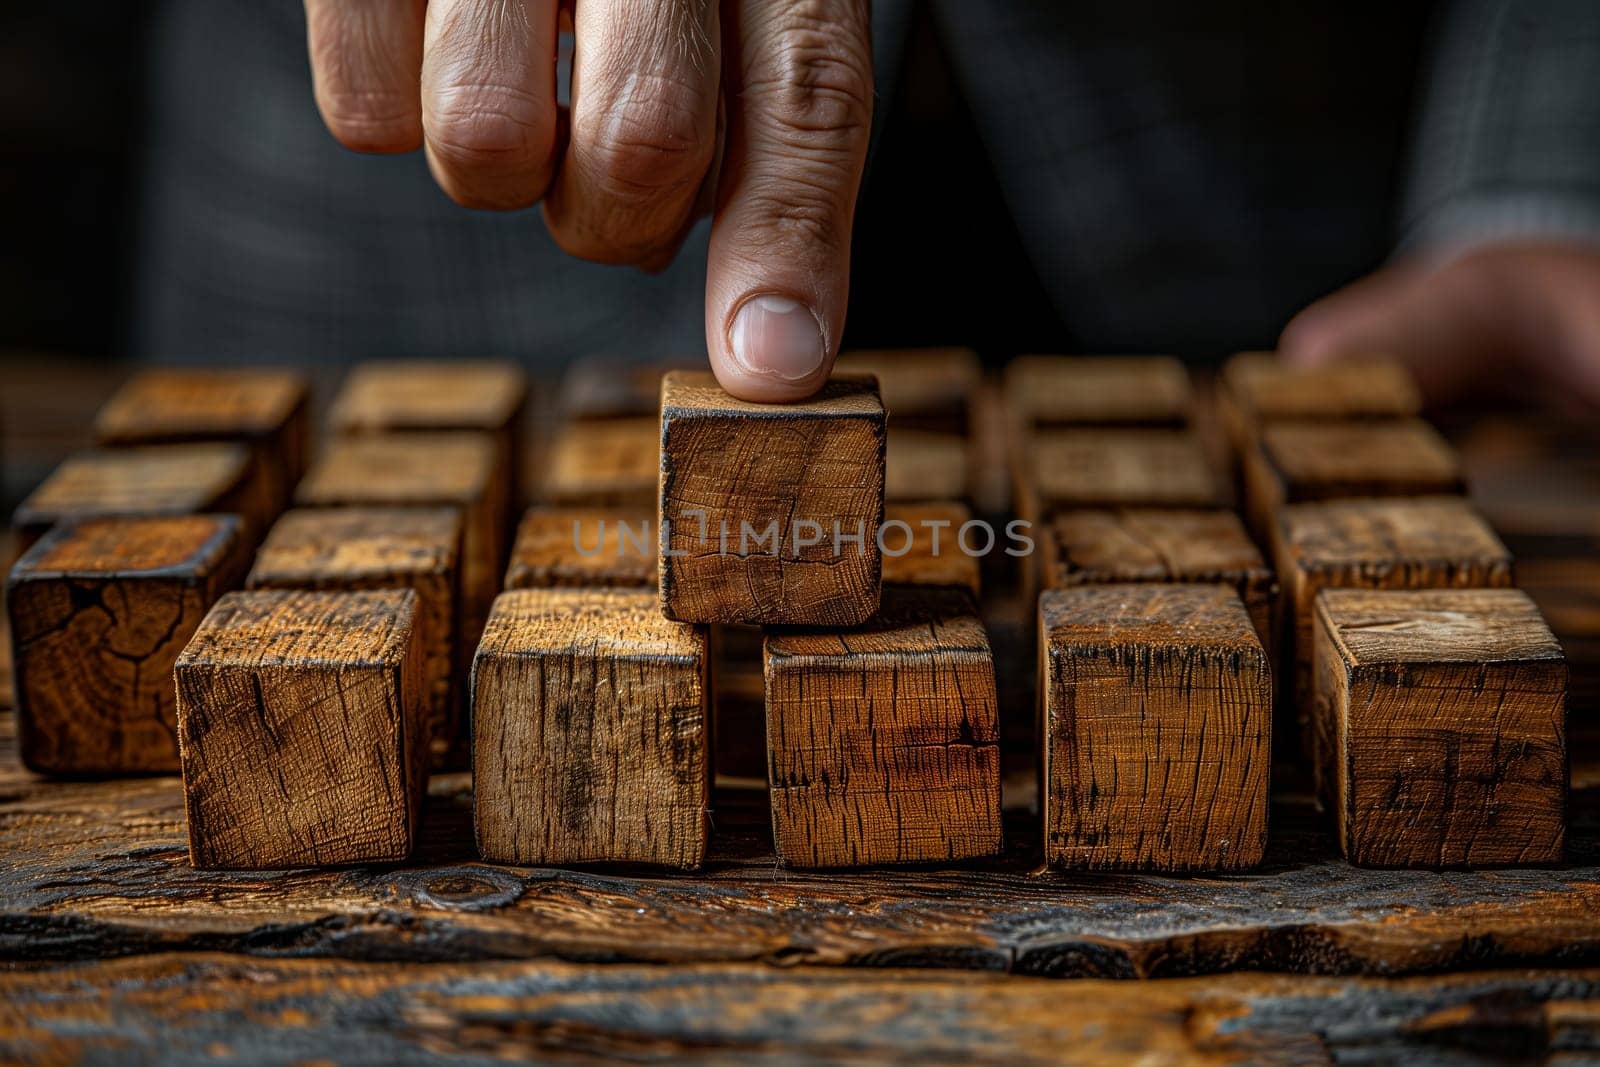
{"x":819,"y":83}
{"x":652,"y":142}
{"x":490,"y":128}
{"x":374,"y":120}
{"x":802,"y":212}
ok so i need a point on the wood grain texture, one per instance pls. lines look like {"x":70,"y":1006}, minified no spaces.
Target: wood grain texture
{"x":347,"y":549}
{"x":99,"y":610}
{"x":1099,"y":391}
{"x":604,"y":463}
{"x":1107,"y":546}
{"x":1440,"y":727}
{"x":590,"y":731}
{"x":1256,"y":388}
{"x":577,"y":547}
{"x":923,"y":546}
{"x":301,"y":729}
{"x":182,"y":479}
{"x":1117,"y":468}
{"x":1421,"y":543}
{"x":1157,"y":728}
{"x":883,"y":740}
{"x":799,"y":472}
{"x":266,"y":408}
{"x":922,"y":465}
{"x":922,"y":388}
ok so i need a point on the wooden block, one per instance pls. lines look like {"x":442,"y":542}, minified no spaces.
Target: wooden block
{"x":600,"y":387}
{"x":1295,"y":462}
{"x":425,"y":470}
{"x":921,"y":465}
{"x":923,"y":545}
{"x":99,"y":610}
{"x":1422,"y":543}
{"x":1157,"y":728}
{"x":584,"y":547}
{"x":922,"y":388}
{"x":590,"y":731}
{"x":883,"y":740}
{"x":301,"y":728}
{"x":1120,"y":468}
{"x":184,"y":479}
{"x":1107,"y":547}
{"x":1254,"y":388}
{"x":604,"y":464}
{"x":382,"y":548}
{"x":1062,"y":391}
{"x":265,"y":408}
{"x":1440,"y":727}
{"x":801,"y":473}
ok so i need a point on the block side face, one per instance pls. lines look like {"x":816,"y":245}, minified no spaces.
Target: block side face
{"x":152,"y":546}
{"x":148,"y":480}
{"x":578,"y":547}
{"x":1110,"y":468}
{"x":1456,"y":765}
{"x":429,"y":395}
{"x":1327,"y":728}
{"x":358,"y":547}
{"x":924,"y":465}
{"x":1095,"y":390}
{"x":611,"y":463}
{"x":310,"y":628}
{"x":920,"y":561}
{"x":172,"y":403}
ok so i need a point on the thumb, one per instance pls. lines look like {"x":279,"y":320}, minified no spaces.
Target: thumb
{"x":798,"y":86}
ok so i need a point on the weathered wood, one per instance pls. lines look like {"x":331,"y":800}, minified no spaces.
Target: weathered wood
{"x":604,"y":463}
{"x":924,"y":465}
{"x":1118,"y":468}
{"x":1255,"y":388}
{"x":301,"y":729}
{"x":1060,"y":391}
{"x":265,"y":408}
{"x":1157,"y":728}
{"x":576,"y":547}
{"x":883,"y":740}
{"x":99,"y":610}
{"x":1440,"y":727}
{"x":425,"y":470}
{"x":1421,"y":543}
{"x":384,"y":548}
{"x":183,"y":479}
{"x":923,"y":545}
{"x":922,"y":388}
{"x":804,"y":475}
{"x":590,"y":723}
{"x":1100,"y":547}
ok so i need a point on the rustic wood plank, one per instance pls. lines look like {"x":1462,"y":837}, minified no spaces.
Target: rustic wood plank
{"x":590,"y":721}
{"x":1157,"y":728}
{"x":99,"y":610}
{"x":604,"y":463}
{"x":301,"y":729}
{"x":923,"y":545}
{"x":883,"y":740}
{"x":1256,"y":388}
{"x":1059,"y":391}
{"x":1118,"y":468}
{"x":805,"y":474}
{"x":923,"y":465}
{"x":266,"y":408}
{"x":346,"y":549}
{"x":1440,"y":727}
{"x":183,"y":479}
{"x":922,"y":388}
{"x":578,"y":547}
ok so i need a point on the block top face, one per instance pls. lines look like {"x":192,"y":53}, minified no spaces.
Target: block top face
{"x":1156,"y":545}
{"x":312,"y":544}
{"x":918,"y":381}
{"x":438,"y":468}
{"x":696,"y":394}
{"x":1402,"y":452}
{"x":584,"y":546}
{"x":299,"y":628}
{"x":1147,"y":614}
{"x":1444,"y":529}
{"x":923,"y":562}
{"x":1477,"y":626}
{"x":153,"y":546}
{"x":1167,"y":468}
{"x":1100,"y":389}
{"x":624,"y":623}
{"x":429,"y":395}
{"x":1270,"y":389}
{"x":934,"y":623}
{"x":172,"y":403}
{"x":149,"y":480}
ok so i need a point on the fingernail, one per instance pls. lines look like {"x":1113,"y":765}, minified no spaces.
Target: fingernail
{"x":778,"y":338}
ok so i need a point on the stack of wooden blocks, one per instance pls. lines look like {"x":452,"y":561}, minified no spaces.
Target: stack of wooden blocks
{"x":712,"y":590}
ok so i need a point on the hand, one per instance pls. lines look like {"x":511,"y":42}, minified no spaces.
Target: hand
{"x":1506,"y":316}
{"x":781,"y":90}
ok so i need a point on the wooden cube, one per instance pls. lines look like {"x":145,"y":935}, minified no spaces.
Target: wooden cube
{"x":805,"y":476}
{"x":1157,"y":728}
{"x":590,"y":731}
{"x":612,"y":463}
{"x":922,"y":465}
{"x":883,"y":740}
{"x":1111,"y":546}
{"x":382,"y":548}
{"x":99,"y":610}
{"x":425,"y":470}
{"x":1421,"y":543}
{"x":579,"y":547}
{"x":1063,"y":391}
{"x":1255,"y":388}
{"x":301,"y":728}
{"x":184,"y":479}
{"x":603,"y":387}
{"x":1119,"y":468}
{"x":932,"y":545}
{"x":262,"y":407}
{"x":922,"y":388}
{"x":1440,"y":727}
